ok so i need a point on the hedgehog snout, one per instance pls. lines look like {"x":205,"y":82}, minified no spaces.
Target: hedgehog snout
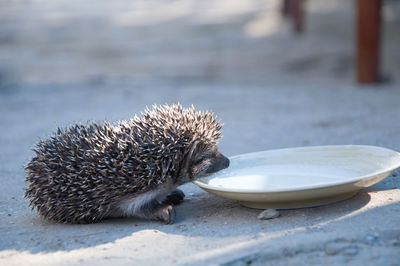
{"x":225,"y":162}
{"x":220,"y":162}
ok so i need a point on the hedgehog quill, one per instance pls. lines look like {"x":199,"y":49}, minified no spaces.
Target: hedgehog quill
{"x":85,"y":173}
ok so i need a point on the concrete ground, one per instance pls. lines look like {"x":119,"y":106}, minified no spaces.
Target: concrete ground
{"x":67,"y":61}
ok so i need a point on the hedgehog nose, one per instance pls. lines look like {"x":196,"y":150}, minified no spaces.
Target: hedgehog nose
{"x":224,"y":161}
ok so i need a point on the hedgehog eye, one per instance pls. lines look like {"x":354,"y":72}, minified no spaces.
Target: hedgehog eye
{"x":199,"y":160}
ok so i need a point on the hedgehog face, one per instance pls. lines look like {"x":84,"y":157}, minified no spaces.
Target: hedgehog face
{"x":206,"y":160}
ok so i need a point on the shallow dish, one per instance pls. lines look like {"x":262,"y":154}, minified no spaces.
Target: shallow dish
{"x":301,"y":177}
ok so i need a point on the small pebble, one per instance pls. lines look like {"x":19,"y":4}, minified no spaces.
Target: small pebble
{"x":333,"y":248}
{"x":268,"y":214}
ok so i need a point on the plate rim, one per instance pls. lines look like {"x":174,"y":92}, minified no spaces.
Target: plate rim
{"x":306,"y":187}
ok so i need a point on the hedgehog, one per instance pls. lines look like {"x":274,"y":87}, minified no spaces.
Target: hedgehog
{"x":88,"y":172}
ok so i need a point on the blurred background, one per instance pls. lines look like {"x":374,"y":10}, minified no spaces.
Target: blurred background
{"x":182,"y":41}
{"x":63,"y":61}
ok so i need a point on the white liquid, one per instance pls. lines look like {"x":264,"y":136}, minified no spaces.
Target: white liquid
{"x":277,"y":177}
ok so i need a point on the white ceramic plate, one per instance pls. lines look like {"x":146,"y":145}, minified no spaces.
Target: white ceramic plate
{"x":301,"y":177}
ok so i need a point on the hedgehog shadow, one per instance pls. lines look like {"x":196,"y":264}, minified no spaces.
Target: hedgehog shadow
{"x":231,"y":219}
{"x":203,"y":215}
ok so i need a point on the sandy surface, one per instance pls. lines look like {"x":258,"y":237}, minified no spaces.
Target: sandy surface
{"x":62,"y":62}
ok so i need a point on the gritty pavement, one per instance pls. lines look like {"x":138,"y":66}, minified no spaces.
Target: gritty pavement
{"x":63,"y":62}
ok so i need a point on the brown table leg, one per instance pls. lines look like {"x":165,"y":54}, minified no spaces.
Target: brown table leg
{"x":368,"y":39}
{"x":285,"y":8}
{"x":298,"y":15}
{"x":294,"y":10}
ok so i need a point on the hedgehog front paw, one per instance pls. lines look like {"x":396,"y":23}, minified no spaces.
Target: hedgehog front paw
{"x":175,"y":197}
{"x":166,"y":213}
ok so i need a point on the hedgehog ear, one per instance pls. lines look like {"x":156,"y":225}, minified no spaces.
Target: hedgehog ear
{"x":189,"y":155}
{"x":193,"y":147}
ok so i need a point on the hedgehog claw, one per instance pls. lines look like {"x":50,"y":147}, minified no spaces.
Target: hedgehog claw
{"x":167,"y":214}
{"x":175,"y":197}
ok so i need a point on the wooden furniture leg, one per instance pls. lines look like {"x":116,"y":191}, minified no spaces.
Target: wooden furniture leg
{"x":285,"y":8}
{"x":297,"y":11}
{"x":294,"y":10}
{"x":368,"y":40}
